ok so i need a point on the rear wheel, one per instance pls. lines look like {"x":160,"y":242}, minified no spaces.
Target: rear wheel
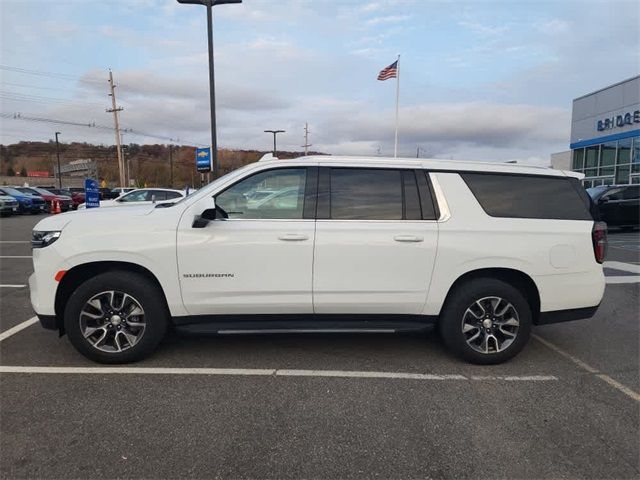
{"x":486,"y":321}
{"x":116,"y":317}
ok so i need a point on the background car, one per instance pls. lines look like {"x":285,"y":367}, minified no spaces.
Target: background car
{"x":143,"y":196}
{"x":49,"y":197}
{"x":8,"y":205}
{"x":77,"y":197}
{"x":118,"y":191}
{"x":618,"y":205}
{"x":27,"y":203}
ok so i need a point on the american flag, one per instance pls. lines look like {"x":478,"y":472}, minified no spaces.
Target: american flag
{"x":389,"y":72}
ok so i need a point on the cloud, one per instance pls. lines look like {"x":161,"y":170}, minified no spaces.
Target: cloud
{"x":387,"y":19}
{"x":137,"y":87}
{"x":449,"y":125}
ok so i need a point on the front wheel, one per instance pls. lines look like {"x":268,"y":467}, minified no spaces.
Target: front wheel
{"x":486,"y":321}
{"x":116,"y":317}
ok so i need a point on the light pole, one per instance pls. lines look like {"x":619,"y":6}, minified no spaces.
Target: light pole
{"x":58,"y":156}
{"x":212,"y":92}
{"x":275,"y":132}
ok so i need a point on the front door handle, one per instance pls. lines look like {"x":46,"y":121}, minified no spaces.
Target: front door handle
{"x":408,"y":238}
{"x":293,"y":237}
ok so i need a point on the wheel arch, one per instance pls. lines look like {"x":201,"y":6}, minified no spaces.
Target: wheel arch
{"x":80,"y":273}
{"x":520,"y":280}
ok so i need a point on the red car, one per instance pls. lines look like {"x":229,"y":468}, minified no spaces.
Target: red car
{"x":49,"y":197}
{"x":76,"y":194}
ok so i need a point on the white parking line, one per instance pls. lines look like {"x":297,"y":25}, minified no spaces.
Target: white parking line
{"x":625,"y":267}
{"x":11,"y":286}
{"x":622,"y":279}
{"x":615,"y":384}
{"x":264,"y":373}
{"x":21,"y":326}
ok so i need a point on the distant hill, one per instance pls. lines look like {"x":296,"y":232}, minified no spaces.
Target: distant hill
{"x":148,"y":164}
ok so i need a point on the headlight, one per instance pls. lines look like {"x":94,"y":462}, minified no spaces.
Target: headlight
{"x":44,"y":239}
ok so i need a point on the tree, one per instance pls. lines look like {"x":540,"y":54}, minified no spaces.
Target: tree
{"x":23,"y":172}
{"x":11,"y":172}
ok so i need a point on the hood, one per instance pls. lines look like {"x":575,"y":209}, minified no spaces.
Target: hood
{"x":7,"y":198}
{"x":93,"y":217}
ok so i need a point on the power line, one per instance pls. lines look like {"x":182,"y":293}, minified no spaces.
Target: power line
{"x":33,"y":98}
{"x":41,"y":73}
{"x":128,"y":131}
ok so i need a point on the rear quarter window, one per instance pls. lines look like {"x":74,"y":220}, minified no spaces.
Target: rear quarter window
{"x":529,"y":196}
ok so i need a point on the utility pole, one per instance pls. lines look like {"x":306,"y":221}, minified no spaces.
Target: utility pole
{"x":58,"y":156}
{"x":170,"y":166}
{"x":275,"y":132}
{"x":126,"y":161}
{"x":115,"y":109}
{"x":306,"y":139}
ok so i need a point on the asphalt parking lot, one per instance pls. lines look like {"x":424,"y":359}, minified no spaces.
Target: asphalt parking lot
{"x":321,"y":406}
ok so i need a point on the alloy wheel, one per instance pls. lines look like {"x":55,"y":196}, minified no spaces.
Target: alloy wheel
{"x":112,"y":321}
{"x":490,"y":325}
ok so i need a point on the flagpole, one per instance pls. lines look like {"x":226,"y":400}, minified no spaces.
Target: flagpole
{"x":395,"y":148}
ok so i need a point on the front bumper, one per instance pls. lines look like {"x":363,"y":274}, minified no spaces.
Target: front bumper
{"x":9,"y":208}
{"x":38,"y":208}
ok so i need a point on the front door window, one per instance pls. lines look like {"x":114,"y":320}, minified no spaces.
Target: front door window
{"x":274,"y":194}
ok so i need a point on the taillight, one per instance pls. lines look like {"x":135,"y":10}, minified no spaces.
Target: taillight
{"x":599,"y":237}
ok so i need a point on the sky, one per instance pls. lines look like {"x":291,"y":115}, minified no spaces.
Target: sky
{"x":479,"y":80}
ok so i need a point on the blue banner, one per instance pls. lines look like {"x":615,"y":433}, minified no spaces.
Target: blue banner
{"x":91,"y":193}
{"x":203,"y":159}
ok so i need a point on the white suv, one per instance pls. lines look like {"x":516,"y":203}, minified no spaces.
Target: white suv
{"x":484,"y":250}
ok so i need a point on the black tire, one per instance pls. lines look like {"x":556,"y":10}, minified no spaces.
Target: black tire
{"x":149,"y":297}
{"x":463,"y":297}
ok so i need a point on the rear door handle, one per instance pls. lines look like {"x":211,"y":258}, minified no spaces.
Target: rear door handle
{"x":293,"y":237}
{"x":408,"y":238}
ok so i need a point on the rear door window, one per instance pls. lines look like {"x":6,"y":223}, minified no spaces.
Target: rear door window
{"x":528,"y":196}
{"x":366,"y":194}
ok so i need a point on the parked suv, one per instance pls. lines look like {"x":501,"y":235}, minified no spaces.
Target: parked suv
{"x":483,"y":250}
{"x":618,"y":205}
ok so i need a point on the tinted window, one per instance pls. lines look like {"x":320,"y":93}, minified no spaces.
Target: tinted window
{"x":366,"y":194}
{"x":427,"y":200}
{"x":412,"y":209}
{"x":281,"y":195}
{"x":631,"y":193}
{"x":528,"y":196}
{"x":172,"y":195}
{"x":157,"y":195}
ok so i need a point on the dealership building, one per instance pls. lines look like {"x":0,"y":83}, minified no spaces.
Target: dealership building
{"x":605,"y":135}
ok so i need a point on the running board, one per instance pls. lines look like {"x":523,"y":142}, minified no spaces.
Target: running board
{"x":307,"y":330}
{"x":310,"y":323}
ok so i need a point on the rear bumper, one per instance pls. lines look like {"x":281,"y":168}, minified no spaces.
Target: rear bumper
{"x":50,"y":322}
{"x":558,"y":316}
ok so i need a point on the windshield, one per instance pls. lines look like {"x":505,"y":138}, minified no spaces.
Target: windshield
{"x":595,"y":192}
{"x":28,"y":191}
{"x":215,"y":183}
{"x":42,"y":191}
{"x":12,"y":191}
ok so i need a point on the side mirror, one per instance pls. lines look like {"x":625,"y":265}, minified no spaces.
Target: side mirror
{"x":208,"y":212}
{"x":604,"y":199}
